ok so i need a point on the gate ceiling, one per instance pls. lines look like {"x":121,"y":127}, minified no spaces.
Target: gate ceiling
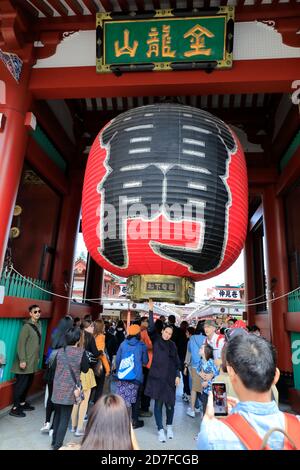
{"x":72,"y":8}
{"x":253,"y":114}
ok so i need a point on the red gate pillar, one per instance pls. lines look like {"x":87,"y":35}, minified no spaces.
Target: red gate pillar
{"x":14,"y":102}
{"x":249,"y":280}
{"x":93,"y":288}
{"x":65,"y":250}
{"x":277,"y":274}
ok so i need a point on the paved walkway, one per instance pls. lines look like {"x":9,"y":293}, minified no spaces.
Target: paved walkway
{"x":24,"y":433}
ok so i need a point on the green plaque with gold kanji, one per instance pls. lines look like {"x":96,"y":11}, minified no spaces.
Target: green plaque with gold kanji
{"x":163,"y":40}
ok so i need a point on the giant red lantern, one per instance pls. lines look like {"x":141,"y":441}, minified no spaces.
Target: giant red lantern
{"x":165,"y":194}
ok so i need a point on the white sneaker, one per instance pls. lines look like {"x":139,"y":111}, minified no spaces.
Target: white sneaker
{"x":45,"y":429}
{"x":197,"y":410}
{"x":72,"y":429}
{"x":79,"y":433}
{"x":161,"y":435}
{"x":170,"y":433}
{"x":190,"y":413}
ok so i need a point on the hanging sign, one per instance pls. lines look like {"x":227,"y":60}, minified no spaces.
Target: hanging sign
{"x":165,"y":40}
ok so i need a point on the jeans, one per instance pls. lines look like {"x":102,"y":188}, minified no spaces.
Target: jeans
{"x":158,"y":414}
{"x":204,"y":399}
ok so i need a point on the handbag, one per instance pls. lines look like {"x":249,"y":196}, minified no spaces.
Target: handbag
{"x":78,"y":390}
{"x":78,"y":394}
{"x":92,"y":359}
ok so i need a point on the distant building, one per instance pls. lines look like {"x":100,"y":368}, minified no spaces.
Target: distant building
{"x":113,"y":286}
{"x":226,"y":293}
{"x":79,"y":279}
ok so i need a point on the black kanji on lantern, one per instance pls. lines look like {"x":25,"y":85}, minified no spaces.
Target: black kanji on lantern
{"x":164,"y":155}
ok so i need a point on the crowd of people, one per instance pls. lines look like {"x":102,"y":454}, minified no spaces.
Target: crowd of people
{"x":145,"y":362}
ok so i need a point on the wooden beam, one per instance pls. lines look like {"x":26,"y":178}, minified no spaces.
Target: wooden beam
{"x":258,"y":214}
{"x":285,"y":134}
{"x":266,"y":12}
{"x":290,"y":174}
{"x":75,"y":6}
{"x":262,"y":176}
{"x":246,"y":76}
{"x":252,"y":117}
{"x":243,"y":13}
{"x":59,"y":7}
{"x":17,"y":307}
{"x":45,"y":167}
{"x":53,"y":129}
{"x":43,"y":7}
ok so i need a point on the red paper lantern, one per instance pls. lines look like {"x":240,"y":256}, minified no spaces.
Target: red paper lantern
{"x":174,"y":179}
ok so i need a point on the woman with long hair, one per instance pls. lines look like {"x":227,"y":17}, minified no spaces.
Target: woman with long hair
{"x":99,"y":328}
{"x":108,"y":427}
{"x":88,"y":382}
{"x":71,"y":360}
{"x":164,"y":375}
{"x":58,"y":340}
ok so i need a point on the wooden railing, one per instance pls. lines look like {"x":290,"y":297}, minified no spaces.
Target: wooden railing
{"x":18,"y":286}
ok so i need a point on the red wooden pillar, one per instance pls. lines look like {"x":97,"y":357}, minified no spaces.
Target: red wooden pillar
{"x":65,"y":250}
{"x":14,"y":103}
{"x":93,"y":289}
{"x":249,"y":279}
{"x":277,"y":274}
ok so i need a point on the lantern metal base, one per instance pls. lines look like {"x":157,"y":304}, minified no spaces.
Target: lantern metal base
{"x":162,"y":288}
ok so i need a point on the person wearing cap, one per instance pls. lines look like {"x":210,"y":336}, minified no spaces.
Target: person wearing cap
{"x":216,"y":341}
{"x":132,"y":355}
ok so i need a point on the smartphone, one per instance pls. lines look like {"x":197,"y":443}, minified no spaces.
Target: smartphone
{"x":220,"y":399}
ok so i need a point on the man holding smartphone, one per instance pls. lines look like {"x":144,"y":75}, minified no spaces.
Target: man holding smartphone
{"x":251,"y":365}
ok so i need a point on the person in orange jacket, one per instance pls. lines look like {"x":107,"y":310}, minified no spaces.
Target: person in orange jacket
{"x":99,"y":336}
{"x":145,"y":400}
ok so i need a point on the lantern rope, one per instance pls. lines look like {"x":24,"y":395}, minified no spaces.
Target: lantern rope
{"x":97,"y":300}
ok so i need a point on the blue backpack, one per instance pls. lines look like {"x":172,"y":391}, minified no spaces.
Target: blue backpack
{"x":126,"y":369}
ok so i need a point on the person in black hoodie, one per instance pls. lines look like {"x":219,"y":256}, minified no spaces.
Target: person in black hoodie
{"x":110,"y":342}
{"x":120,"y":333}
{"x":164,"y":375}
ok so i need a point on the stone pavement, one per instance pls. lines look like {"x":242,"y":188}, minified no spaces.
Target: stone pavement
{"x":24,"y":433}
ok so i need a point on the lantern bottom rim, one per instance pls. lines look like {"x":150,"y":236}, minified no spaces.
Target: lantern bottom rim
{"x":161,"y":288}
